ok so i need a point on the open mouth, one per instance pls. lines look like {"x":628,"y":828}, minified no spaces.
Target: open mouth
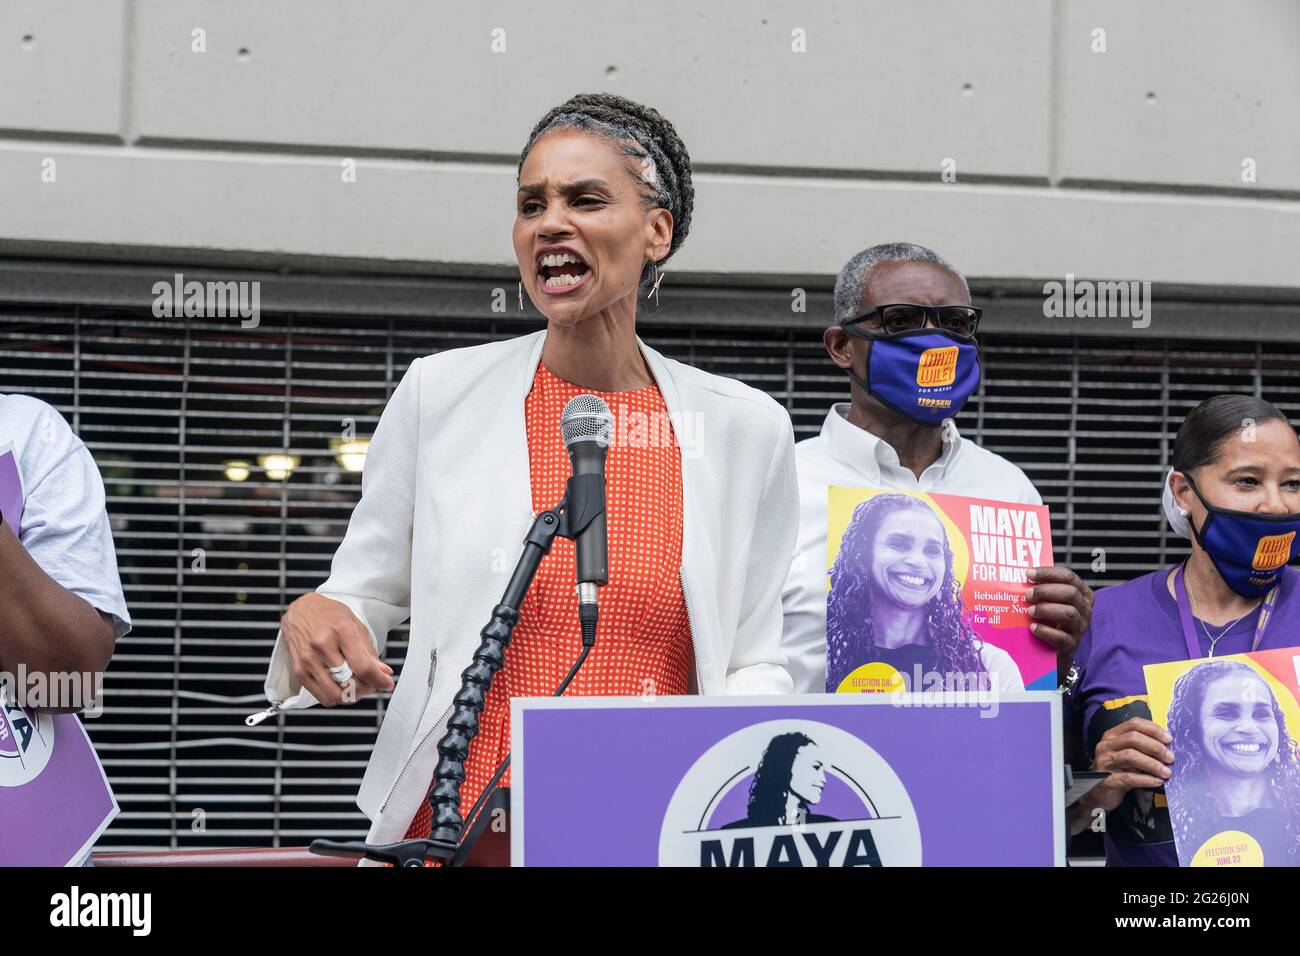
{"x":560,"y":272}
{"x":909,"y":580}
{"x":1244,"y":749}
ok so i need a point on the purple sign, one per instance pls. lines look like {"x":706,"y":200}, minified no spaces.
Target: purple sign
{"x":817,"y":780}
{"x":11,"y":488}
{"x":54,"y":798}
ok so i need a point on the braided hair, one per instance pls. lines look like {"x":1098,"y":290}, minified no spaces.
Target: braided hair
{"x":656,"y":156}
{"x":850,"y":628}
{"x":1193,"y":810}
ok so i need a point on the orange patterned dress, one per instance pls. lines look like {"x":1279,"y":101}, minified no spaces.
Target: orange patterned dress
{"x":643,"y":645}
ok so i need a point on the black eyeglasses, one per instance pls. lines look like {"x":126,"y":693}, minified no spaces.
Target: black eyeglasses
{"x":961,"y":320}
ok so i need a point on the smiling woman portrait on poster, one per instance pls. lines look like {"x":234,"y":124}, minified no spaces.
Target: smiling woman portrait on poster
{"x":895,"y":598}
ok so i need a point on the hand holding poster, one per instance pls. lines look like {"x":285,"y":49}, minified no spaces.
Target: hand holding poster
{"x":928,"y":588}
{"x":1234,"y":793}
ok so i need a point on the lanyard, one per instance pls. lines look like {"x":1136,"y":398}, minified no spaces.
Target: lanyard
{"x":1189,"y":626}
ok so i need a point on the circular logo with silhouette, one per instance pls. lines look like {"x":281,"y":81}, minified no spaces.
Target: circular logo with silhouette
{"x":790,"y":793}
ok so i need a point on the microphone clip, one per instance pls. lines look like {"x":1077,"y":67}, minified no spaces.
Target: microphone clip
{"x":583,"y":503}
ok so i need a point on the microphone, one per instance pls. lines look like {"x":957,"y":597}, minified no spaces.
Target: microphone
{"x":588,"y":427}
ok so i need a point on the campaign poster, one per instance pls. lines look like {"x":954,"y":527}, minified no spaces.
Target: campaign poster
{"x":55,"y":800}
{"x":818,"y":780}
{"x":1234,"y":792}
{"x":929,"y":589}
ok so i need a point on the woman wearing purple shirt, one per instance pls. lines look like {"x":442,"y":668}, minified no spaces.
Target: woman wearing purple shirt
{"x":1234,"y":493}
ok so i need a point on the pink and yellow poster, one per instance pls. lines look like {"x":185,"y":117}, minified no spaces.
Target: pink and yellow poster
{"x":1234,"y":792}
{"x":927,"y":590}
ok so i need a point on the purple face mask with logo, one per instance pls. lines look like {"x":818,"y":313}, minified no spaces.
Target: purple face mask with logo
{"x":926,"y":375}
{"x":1247,"y":548}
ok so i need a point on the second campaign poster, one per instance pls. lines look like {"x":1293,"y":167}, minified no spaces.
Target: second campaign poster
{"x":1234,"y":793}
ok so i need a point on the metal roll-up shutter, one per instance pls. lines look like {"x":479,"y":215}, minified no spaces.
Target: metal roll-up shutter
{"x":208,"y":562}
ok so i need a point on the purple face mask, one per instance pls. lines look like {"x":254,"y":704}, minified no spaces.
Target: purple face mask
{"x":1248,"y":549}
{"x":925,"y":375}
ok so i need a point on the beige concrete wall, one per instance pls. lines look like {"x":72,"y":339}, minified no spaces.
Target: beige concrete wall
{"x":1124,"y":163}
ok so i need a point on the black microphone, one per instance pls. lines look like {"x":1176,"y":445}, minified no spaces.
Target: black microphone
{"x":588,"y":427}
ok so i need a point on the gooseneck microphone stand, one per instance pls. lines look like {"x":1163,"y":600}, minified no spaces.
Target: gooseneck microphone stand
{"x":583,"y":502}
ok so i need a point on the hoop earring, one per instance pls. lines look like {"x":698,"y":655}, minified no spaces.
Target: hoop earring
{"x":521,"y":295}
{"x":654,"y":289}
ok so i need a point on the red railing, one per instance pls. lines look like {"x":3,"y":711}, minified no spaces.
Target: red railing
{"x":234,"y":856}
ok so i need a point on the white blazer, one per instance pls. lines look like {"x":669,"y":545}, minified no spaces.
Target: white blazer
{"x":446,"y":502}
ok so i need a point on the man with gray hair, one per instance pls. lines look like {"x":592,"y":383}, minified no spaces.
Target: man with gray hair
{"x":897,"y":306}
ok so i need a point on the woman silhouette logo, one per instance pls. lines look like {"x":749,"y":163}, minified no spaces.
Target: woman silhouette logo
{"x":748,"y":800}
{"x":790,"y":778}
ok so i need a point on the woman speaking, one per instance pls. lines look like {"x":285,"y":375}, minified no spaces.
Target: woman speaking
{"x":1234,"y":492}
{"x":469,"y":448}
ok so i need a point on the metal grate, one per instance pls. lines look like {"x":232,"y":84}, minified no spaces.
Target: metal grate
{"x":165,"y":404}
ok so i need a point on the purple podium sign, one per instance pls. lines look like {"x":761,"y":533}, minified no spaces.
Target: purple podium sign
{"x":816,"y":780}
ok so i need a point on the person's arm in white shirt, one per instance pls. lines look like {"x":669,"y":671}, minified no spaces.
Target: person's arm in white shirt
{"x":803,"y":597}
{"x":1029,"y":494}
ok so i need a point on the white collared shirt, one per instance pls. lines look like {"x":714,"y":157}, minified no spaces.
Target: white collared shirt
{"x":844,"y":454}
